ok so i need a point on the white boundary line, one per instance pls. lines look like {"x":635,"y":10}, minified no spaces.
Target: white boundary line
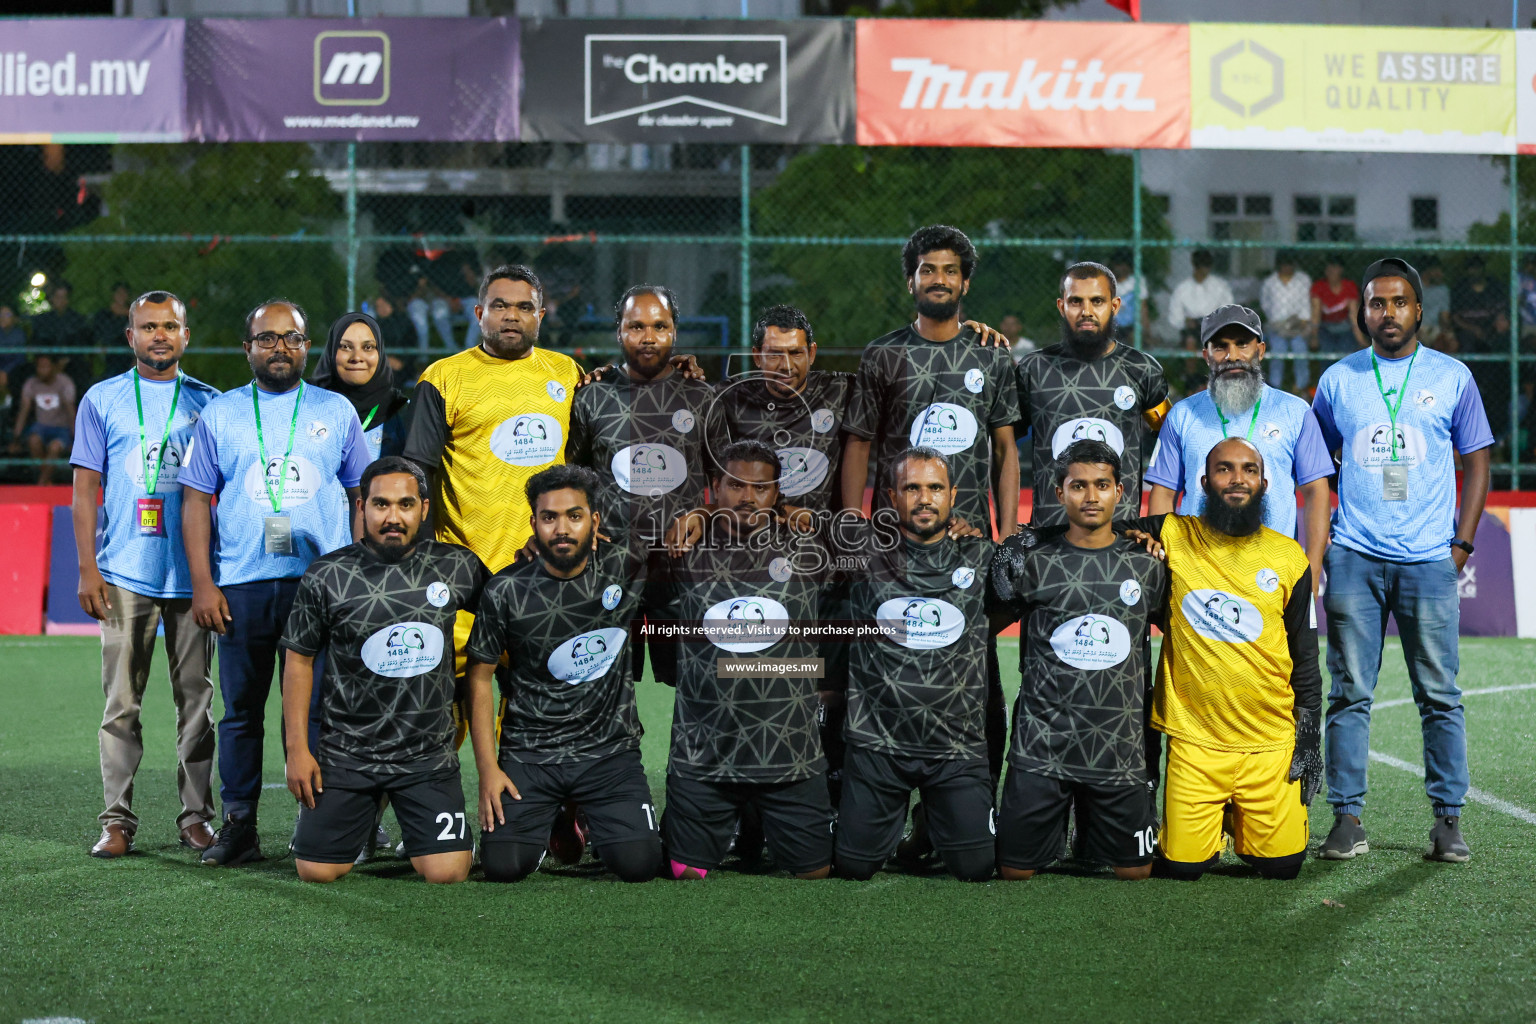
{"x":1474,"y":794}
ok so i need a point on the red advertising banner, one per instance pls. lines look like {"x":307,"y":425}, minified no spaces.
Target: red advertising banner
{"x":1022,"y":83}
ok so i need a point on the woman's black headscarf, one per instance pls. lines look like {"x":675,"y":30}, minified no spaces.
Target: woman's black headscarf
{"x":380,"y":389}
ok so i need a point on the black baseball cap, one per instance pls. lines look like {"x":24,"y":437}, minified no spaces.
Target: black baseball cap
{"x":1225,"y":316}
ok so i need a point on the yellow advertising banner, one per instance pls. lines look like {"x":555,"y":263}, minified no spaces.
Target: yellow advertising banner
{"x":1420,"y":90}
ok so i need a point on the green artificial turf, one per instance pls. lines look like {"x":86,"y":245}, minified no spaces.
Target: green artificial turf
{"x":157,"y":937}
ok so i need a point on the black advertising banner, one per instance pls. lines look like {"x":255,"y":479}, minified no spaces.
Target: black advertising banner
{"x":687,"y":81}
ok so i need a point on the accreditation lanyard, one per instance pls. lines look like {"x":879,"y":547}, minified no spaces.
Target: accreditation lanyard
{"x":1401,"y":390}
{"x":371,"y":413}
{"x":1252,"y":420}
{"x":152,"y":476}
{"x":261,"y":447}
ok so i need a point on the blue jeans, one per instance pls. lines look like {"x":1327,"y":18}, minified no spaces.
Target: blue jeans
{"x":248,"y":653}
{"x":1422,"y":597}
{"x":1301,"y":372}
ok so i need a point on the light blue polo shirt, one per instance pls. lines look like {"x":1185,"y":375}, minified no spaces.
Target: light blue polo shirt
{"x":107,"y":441}
{"x":329,"y":455}
{"x":1441,"y":409}
{"x":1285,"y":433}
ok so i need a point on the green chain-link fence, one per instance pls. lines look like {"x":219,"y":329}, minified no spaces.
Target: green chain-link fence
{"x":406,"y":229}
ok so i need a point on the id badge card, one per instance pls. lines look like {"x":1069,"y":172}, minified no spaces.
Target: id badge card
{"x":277,"y":532}
{"x":1394,"y":482}
{"x":151,"y":517}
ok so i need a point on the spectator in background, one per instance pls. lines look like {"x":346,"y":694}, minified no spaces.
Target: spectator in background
{"x":110,"y":326}
{"x":464,"y":303}
{"x":396,"y":331}
{"x":1128,"y":289}
{"x":60,"y":326}
{"x":48,"y":397}
{"x":1527,"y":298}
{"x":1479,"y":309}
{"x":1335,"y":305}
{"x":1286,"y":296}
{"x":1437,"y":331}
{"x":13,"y":354}
{"x":1012,"y":328}
{"x":1196,"y":296}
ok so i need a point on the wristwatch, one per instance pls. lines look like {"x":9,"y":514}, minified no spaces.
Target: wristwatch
{"x":1465,"y":545}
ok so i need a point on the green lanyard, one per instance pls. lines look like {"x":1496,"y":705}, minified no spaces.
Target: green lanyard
{"x":1252,"y":422}
{"x":151,"y":478}
{"x":369,"y":420}
{"x":261,"y":447}
{"x":1401,"y":391}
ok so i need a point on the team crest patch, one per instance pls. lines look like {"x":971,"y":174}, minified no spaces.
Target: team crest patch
{"x":555,"y":389}
{"x":1125,"y":396}
{"x":780,"y":569}
{"x":1270,"y":430}
{"x":612,"y":596}
{"x":437,"y":594}
{"x":821,"y":420}
{"x":1130,"y":592}
{"x":682,"y":421}
{"x":975,"y":380}
{"x":1267,"y":580}
{"x":1424,"y":397}
{"x":318,"y":429}
{"x":963,"y":577}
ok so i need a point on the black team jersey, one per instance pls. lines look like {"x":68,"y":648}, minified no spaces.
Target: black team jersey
{"x":387,"y":630}
{"x":1085,"y":694}
{"x":570,"y":696}
{"x":1063,"y":399}
{"x":748,"y":594}
{"x":804,"y":428}
{"x":946,"y":395}
{"x":920,"y":691}
{"x":645,"y":441}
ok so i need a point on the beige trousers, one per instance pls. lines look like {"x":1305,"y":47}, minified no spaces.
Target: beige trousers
{"x":127,"y":648}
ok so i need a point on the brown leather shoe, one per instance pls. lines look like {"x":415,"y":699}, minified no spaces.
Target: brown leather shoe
{"x":197,"y":836}
{"x":115,"y":841}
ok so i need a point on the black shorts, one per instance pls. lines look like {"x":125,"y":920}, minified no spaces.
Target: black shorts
{"x":611,"y":790}
{"x":877,"y":787}
{"x":1116,"y":825}
{"x":428,"y":805}
{"x":797,"y":821}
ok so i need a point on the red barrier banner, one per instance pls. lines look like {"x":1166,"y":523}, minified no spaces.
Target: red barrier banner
{"x":1022,"y":83}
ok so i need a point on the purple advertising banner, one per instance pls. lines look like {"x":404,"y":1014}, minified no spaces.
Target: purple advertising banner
{"x":363,"y":79}
{"x":91,"y":80}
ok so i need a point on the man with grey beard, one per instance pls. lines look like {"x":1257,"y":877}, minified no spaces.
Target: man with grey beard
{"x":1237,"y":403}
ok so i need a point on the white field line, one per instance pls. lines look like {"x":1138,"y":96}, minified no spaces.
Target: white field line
{"x":1405,"y":701}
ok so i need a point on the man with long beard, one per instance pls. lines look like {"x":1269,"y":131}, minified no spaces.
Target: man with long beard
{"x":1238,"y":403}
{"x":1239,"y":692}
{"x":1088,"y":387}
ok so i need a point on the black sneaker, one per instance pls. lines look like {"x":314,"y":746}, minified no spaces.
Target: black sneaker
{"x":1445,"y":842}
{"x":1346,"y":840}
{"x":237,"y":843}
{"x":915,"y":852}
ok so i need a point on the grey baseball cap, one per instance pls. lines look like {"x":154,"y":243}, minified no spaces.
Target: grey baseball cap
{"x":1226,"y":316}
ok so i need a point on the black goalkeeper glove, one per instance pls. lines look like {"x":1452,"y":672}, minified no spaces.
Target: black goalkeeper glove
{"x":1008,"y":564}
{"x":1307,"y":760}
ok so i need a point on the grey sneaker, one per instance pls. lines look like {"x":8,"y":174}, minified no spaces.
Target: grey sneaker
{"x":1445,"y":842}
{"x":1346,"y":840}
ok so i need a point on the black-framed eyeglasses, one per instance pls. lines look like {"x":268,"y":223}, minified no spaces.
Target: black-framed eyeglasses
{"x":270,"y":339}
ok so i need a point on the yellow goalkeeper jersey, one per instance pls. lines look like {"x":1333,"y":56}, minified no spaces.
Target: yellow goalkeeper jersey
{"x":1240,"y":621}
{"x":487,"y":425}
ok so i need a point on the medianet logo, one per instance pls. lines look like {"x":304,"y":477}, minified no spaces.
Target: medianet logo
{"x":351,"y":69}
{"x":730,"y":75}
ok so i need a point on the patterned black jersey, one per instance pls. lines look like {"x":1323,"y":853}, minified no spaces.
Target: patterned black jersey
{"x":947,"y":395}
{"x":749,"y":594}
{"x":387,"y":632}
{"x":1085,"y":691}
{"x":921,"y":691}
{"x":569,"y":690}
{"x":1063,"y":399}
{"x":805,"y":429}
{"x":645,"y":441}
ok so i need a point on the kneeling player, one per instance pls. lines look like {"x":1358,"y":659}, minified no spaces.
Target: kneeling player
{"x":571,"y":732}
{"x":383,"y":610}
{"x":917,"y":699}
{"x":1238,"y":692}
{"x":1080,"y":724}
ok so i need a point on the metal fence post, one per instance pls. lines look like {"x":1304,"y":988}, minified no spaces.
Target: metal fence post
{"x":1141,"y":285}
{"x":351,"y":225}
{"x":746,"y":241}
{"x":1514,"y":321}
